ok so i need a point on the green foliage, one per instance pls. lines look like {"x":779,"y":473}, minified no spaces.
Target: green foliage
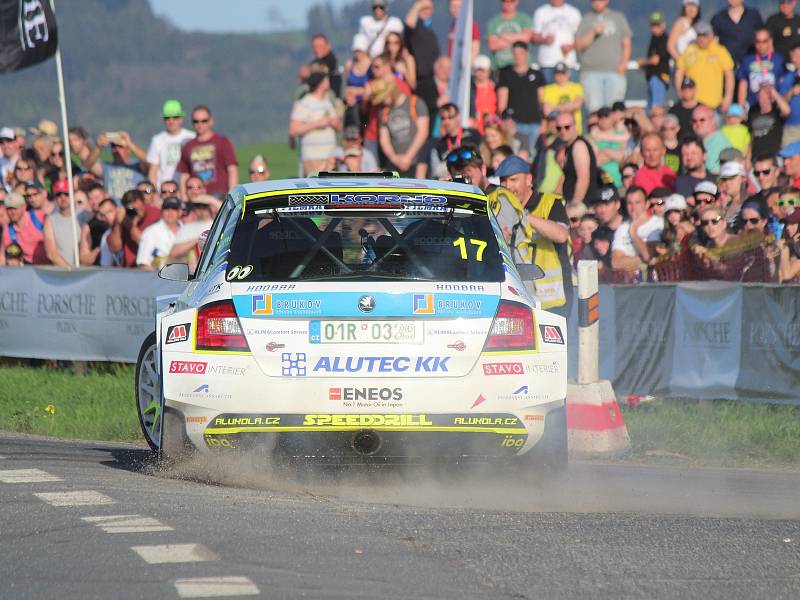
{"x":721,"y":432}
{"x":282,"y":161}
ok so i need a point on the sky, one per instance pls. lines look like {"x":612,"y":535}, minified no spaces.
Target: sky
{"x":237,"y":15}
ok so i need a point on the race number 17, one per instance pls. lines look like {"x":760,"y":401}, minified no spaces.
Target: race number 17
{"x":461,"y":244}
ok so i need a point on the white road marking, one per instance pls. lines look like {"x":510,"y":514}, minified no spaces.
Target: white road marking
{"x":174,"y":553}
{"x":26,"y":476}
{"x":3,"y":457}
{"x":83,"y":498}
{"x":127,"y":524}
{"x":215,"y":587}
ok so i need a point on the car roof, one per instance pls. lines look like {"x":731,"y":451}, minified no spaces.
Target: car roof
{"x":311,"y":183}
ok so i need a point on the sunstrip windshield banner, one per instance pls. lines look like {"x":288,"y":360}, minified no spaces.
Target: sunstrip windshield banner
{"x":355,"y":304}
{"x":414,"y":200}
{"x":28,"y":33}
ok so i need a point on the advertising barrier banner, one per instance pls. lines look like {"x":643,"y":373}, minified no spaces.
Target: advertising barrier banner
{"x":704,"y":340}
{"x":78,"y":314}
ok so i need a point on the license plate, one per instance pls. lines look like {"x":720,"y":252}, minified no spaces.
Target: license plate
{"x":365,"y":332}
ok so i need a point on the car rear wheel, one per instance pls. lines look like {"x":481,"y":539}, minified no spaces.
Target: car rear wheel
{"x":148,"y":392}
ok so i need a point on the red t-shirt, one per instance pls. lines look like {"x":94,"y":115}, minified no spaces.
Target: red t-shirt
{"x":451,"y":36}
{"x":29,"y":238}
{"x":650,"y":179}
{"x":129,"y":247}
{"x":209,"y":161}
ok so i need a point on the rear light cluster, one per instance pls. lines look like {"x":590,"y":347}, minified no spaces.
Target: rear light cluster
{"x":512,"y":328}
{"x":218,"y":328}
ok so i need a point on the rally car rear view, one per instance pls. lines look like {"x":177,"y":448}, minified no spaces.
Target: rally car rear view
{"x":355,"y":320}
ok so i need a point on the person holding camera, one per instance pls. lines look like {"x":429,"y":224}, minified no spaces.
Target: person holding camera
{"x":121,"y":174}
{"x":158,"y":239}
{"x":133,"y":217}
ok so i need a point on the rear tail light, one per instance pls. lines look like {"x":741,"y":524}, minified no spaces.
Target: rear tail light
{"x":512,"y":328}
{"x":218,"y":328}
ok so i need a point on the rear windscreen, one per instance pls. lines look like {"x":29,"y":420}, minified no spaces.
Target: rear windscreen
{"x":366,"y":245}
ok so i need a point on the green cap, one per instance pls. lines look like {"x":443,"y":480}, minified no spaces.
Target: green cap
{"x":172,"y":108}
{"x":656,"y":17}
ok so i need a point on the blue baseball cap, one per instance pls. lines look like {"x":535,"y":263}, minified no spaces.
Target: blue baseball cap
{"x":735,"y":111}
{"x":511,"y":166}
{"x":790,"y":150}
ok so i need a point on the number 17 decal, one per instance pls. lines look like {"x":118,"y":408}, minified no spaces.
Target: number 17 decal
{"x":461,"y":244}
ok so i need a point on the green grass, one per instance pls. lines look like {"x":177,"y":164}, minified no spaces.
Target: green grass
{"x":56,"y":402}
{"x":725,"y":433}
{"x":100,"y":406}
{"x":282,"y":161}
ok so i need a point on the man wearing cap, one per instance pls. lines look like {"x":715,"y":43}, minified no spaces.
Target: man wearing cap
{"x":352,"y":141}
{"x":693,"y":159}
{"x":518,"y":95}
{"x":209,"y":156}
{"x":315,"y":121}
{"x":484,"y":93}
{"x":735,"y":26}
{"x":784,"y":27}
{"x":766,"y":120}
{"x":654,"y":173}
{"x":421,"y":38}
{"x":706,"y":193}
{"x":22,"y":231}
{"x":656,"y":64}
{"x":549,"y":238}
{"x":157,"y":240}
{"x":606,"y":205}
{"x":121,"y":174}
{"x":452,"y":135}
{"x":377,"y":26}
{"x":732,"y":192}
{"x":47,"y":128}
{"x":165,"y":147}
{"x":554,"y":27}
{"x":710,"y":66}
{"x":687,"y":102}
{"x":759,"y":68}
{"x":11,"y":151}
{"x":603,"y":41}
{"x":563,"y":95}
{"x":60,"y":229}
{"x":791,"y":163}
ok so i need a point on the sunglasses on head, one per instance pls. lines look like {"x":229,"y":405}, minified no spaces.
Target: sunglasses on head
{"x":460,"y":156}
{"x":707,"y":222}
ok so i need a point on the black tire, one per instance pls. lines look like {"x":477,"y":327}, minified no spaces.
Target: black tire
{"x":148,"y":391}
{"x":175,"y":445}
{"x":550,"y":456}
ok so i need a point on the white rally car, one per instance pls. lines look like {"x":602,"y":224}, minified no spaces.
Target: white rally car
{"x":356,"y":319}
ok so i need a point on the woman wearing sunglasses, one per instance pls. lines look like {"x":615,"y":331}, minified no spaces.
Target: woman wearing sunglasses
{"x":714,"y":230}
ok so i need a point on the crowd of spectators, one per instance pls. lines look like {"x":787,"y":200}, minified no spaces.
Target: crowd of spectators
{"x":701,"y":186}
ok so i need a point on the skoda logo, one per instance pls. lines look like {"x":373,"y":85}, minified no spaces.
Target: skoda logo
{"x":366,"y":304}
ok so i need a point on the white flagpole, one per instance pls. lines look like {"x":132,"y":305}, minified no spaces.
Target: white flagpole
{"x":67,"y":153}
{"x":461,"y":74}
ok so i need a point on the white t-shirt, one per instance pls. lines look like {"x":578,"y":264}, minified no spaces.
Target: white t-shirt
{"x":165,"y":151}
{"x":317,"y":144}
{"x":377,"y":31}
{"x":649,"y":231}
{"x":561,"y":22}
{"x":155,"y":244}
{"x":192,"y":230}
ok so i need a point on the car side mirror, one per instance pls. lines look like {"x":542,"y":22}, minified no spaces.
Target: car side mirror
{"x":529,"y":272}
{"x":174,"y":272}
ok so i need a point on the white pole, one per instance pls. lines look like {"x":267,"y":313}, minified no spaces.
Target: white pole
{"x":67,"y":153}
{"x":588,"y":322}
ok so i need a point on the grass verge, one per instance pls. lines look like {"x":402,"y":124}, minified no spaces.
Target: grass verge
{"x":101,"y":406}
{"x":56,"y":402}
{"x":720,"y":432}
{"x":282,"y":161}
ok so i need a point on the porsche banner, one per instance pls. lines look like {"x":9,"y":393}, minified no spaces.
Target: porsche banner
{"x":28,"y":33}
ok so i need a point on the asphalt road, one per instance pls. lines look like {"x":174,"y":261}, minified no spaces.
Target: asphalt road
{"x":97,"y":520}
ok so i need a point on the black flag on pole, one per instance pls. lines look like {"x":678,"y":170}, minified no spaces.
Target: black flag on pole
{"x":28,"y":33}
